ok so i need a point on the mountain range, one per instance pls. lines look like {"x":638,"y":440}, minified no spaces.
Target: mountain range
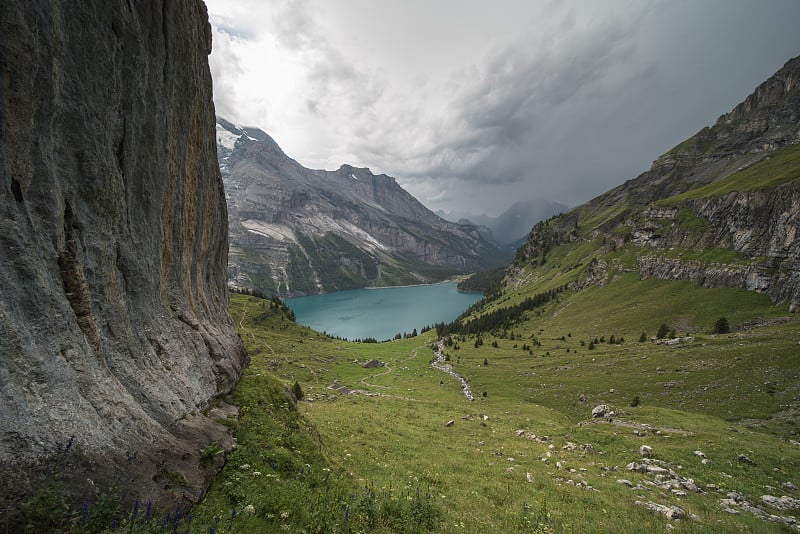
{"x":296,"y":231}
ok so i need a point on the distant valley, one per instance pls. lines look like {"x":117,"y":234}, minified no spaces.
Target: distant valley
{"x":510,"y":228}
{"x":297,"y":231}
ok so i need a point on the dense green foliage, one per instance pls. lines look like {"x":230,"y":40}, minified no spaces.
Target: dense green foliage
{"x":721,"y":326}
{"x":488,"y":282}
{"x":338,"y":263}
{"x":497,"y":318}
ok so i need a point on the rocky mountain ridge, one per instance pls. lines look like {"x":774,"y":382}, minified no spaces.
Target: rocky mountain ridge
{"x":296,"y":231}
{"x":721,"y":209}
{"x":115,"y":333}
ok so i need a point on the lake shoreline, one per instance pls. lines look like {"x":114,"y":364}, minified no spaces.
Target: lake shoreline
{"x":383,"y":312}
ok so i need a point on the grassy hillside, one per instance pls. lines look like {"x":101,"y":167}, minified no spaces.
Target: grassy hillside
{"x":382,"y":458}
{"x":777,"y":168}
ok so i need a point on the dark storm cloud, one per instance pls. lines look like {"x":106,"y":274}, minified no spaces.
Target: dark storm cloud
{"x":559,"y":100}
{"x":501,"y":125}
{"x":582,"y":109}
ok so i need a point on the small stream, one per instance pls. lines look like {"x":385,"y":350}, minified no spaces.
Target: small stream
{"x":439,"y":363}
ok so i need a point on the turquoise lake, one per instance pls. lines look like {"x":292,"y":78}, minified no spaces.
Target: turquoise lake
{"x":383,"y":312}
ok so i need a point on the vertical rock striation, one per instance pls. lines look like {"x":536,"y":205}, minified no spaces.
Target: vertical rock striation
{"x":114,"y":322}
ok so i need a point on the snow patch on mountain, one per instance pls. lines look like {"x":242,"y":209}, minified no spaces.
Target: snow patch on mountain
{"x":225,"y":138}
{"x":274,"y":231}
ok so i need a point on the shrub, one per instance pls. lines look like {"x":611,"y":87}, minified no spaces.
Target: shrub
{"x":635,"y":401}
{"x":643,"y":337}
{"x":663,"y":331}
{"x":722,"y":326}
{"x":297,"y":391}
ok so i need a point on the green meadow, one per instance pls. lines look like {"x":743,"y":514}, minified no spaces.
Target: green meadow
{"x":398,"y":448}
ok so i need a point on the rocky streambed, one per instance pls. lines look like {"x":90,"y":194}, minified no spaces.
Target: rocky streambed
{"x":439,"y":363}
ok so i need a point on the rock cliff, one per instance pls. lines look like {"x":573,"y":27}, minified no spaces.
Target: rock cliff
{"x":721,"y":209}
{"x":114,"y":327}
{"x":296,"y":231}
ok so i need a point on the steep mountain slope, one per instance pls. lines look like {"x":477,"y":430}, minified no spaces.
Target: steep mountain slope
{"x":297,"y":231}
{"x":721,"y":209}
{"x":114,"y":325}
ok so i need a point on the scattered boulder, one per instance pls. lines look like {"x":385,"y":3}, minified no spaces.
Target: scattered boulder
{"x":736,"y":502}
{"x":601,"y":410}
{"x":745,"y":460}
{"x":625,"y":482}
{"x":789,"y":486}
{"x":700,"y":454}
{"x":372,"y":364}
{"x":670,"y":512}
{"x":646,"y":451}
{"x":450,"y":423}
{"x":781,"y":503}
{"x":646,"y":468}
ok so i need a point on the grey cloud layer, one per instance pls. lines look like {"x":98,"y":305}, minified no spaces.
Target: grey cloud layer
{"x":581,"y":102}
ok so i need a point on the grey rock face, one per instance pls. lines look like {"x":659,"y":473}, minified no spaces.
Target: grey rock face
{"x":113,"y":305}
{"x":297,"y":231}
{"x":760,"y":226}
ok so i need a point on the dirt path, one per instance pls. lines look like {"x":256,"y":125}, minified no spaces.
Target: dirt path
{"x":388,"y":370}
{"x":439,"y":363}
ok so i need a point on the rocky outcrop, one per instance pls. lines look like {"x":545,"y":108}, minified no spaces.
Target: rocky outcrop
{"x":745,"y":233}
{"x":114,"y":327}
{"x":704,"y":274}
{"x":297,"y":231}
{"x":768,"y":119}
{"x":760,"y":226}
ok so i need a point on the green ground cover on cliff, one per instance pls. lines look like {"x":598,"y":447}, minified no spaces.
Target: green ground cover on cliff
{"x":778,"y":168}
{"x":395,"y":465}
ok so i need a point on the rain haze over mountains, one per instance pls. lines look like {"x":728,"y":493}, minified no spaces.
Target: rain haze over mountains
{"x":475,"y":107}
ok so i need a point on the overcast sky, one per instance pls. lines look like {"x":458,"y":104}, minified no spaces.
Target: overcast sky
{"x":474,"y":105}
